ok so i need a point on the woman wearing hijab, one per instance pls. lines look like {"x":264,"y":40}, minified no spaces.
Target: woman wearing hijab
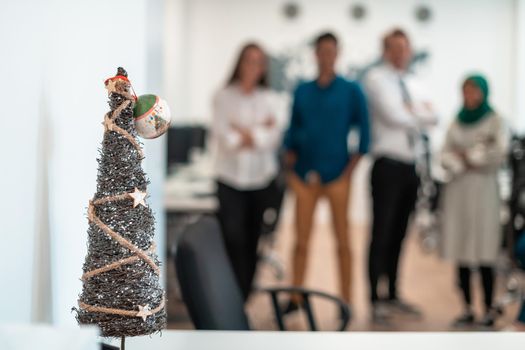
{"x":474,"y":149}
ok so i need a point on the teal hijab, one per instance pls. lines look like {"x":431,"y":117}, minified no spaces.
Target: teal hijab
{"x":471,"y":116}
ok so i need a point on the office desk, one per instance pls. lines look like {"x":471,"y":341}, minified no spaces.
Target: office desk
{"x":190,"y":189}
{"x":204,"y":340}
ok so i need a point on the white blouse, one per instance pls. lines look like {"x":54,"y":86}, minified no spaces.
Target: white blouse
{"x":245,"y":168}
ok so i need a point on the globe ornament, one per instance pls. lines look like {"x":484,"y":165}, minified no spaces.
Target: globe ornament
{"x":152,"y":116}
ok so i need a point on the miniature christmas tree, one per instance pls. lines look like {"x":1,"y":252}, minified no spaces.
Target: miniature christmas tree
{"x":121,"y":290}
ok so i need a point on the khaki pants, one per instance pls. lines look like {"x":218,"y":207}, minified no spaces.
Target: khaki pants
{"x":306,"y":196}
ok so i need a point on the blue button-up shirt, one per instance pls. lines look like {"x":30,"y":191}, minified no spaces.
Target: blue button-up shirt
{"x":321,"y":120}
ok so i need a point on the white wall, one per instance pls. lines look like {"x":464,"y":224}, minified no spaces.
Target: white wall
{"x":519,"y":64}
{"x":463,"y":36}
{"x":21,"y":91}
{"x":55,"y":57}
{"x":176,"y":58}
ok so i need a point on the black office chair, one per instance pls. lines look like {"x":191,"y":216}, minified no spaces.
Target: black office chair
{"x":209,"y":288}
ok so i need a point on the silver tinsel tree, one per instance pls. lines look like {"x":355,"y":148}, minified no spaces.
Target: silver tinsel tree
{"x":121,"y":289}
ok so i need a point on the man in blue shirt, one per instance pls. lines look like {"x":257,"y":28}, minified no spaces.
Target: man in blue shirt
{"x":323,"y":113}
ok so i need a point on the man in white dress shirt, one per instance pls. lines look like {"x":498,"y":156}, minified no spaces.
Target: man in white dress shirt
{"x":399,"y":112}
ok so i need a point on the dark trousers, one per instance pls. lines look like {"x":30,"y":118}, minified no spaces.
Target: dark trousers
{"x":394,"y":193}
{"x":487,"y":280}
{"x":241,"y":218}
{"x":521,"y":315}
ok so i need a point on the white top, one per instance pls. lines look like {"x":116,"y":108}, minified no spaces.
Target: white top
{"x":245,"y":168}
{"x":395,"y":128}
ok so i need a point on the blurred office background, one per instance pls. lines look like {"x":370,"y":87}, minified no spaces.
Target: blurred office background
{"x":56,"y":55}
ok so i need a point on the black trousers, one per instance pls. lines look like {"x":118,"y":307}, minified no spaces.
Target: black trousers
{"x":487,"y":281}
{"x":241,"y":218}
{"x":394,"y":193}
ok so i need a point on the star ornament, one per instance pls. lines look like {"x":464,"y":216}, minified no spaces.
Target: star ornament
{"x":138,"y":197}
{"x":111,"y":86}
{"x":144,"y":312}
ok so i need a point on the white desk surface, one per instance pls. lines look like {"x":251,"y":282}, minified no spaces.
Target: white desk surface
{"x":174,"y":203}
{"x":191,"y":188}
{"x":206,"y":340}
{"x":45,"y":337}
